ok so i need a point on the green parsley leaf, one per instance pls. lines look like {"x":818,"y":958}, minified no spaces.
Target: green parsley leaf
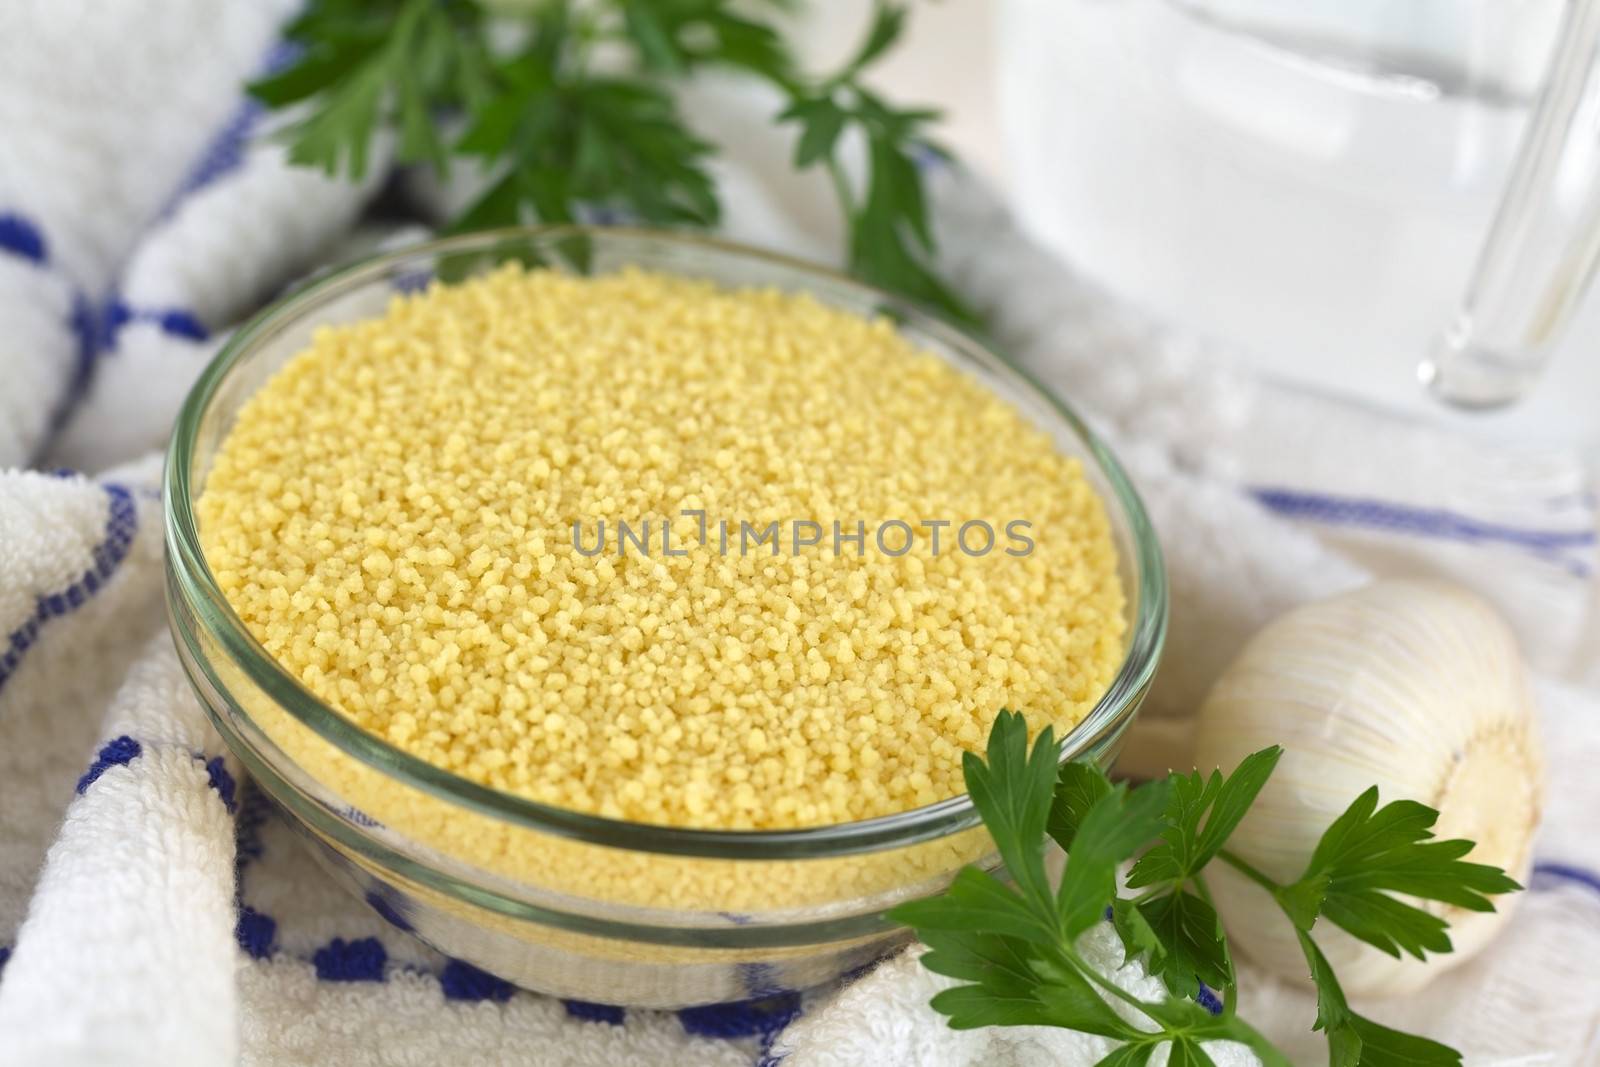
{"x":1371,"y":852}
{"x":992,"y":958}
{"x":1078,"y":786}
{"x":888,"y":22}
{"x":979,"y":900}
{"x":1116,"y":825}
{"x":1332,"y":1009}
{"x":675,"y":36}
{"x":971,"y":1007}
{"x":1356,"y":1041}
{"x":822,"y":121}
{"x":566,"y":134}
{"x":368,"y":63}
{"x":1186,"y":1052}
{"x":1000,"y":970}
{"x":1179,"y":937}
{"x":1012,"y":985}
{"x":1184,"y":1016}
{"x":889,"y":231}
{"x":1132,"y":1054}
{"x":1008,"y":941}
{"x":1016,"y":950}
{"x":880,"y":255}
{"x":1202,"y":814}
{"x":1011,"y":791}
{"x":339,"y":136}
{"x":1176,"y":931}
{"x":749,"y":45}
{"x":1383,"y":1047}
{"x":1139,"y":939}
{"x":575,"y":140}
{"x":659,"y":48}
{"x":1302,"y":900}
{"x":315,"y":71}
{"x":1191,"y":947}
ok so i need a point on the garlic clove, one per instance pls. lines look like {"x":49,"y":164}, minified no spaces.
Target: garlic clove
{"x":1417,"y":687}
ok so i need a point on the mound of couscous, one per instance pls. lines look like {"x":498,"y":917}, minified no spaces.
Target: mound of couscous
{"x":658,"y":550}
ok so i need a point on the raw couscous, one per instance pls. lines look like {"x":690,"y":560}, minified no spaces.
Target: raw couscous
{"x":408,"y":517}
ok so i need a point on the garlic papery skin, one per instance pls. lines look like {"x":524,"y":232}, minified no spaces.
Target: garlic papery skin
{"x":1417,"y":687}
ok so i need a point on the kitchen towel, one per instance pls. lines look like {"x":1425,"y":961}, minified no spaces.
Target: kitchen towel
{"x":154,"y":910}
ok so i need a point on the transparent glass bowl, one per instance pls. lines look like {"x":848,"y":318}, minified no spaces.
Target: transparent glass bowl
{"x":559,"y":901}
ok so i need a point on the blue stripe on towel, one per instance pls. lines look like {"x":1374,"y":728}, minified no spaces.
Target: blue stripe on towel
{"x":122,"y":523}
{"x":256,"y":932}
{"x":361,"y":960}
{"x":253,"y":808}
{"x":605,"y":215}
{"x":117,"y":752}
{"x":21,"y":237}
{"x":219,"y":779}
{"x":1548,"y":873}
{"x":411,"y":281}
{"x":462,"y":981}
{"x":88,"y":330}
{"x":594,"y":1013}
{"x":174,"y":322}
{"x":760,"y":980}
{"x":762,"y":1018}
{"x":225,"y":152}
{"x":1421,"y":522}
{"x":92,"y":324}
{"x":927,"y":158}
{"x":389,"y":907}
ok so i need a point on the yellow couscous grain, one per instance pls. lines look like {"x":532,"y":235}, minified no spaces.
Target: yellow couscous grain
{"x":409,"y":514}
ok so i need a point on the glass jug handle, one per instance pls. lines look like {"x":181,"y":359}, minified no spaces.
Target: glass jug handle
{"x":1544,"y":245}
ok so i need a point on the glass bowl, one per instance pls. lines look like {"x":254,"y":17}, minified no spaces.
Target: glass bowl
{"x":559,"y":901}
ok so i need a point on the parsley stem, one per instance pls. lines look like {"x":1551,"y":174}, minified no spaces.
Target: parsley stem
{"x":841,"y":188}
{"x":1082,"y":966}
{"x":1248,"y":871}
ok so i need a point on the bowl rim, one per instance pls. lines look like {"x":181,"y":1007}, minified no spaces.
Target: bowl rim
{"x":190,"y":577}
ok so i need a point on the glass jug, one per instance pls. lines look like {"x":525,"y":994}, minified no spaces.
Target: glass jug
{"x":1389,"y":180}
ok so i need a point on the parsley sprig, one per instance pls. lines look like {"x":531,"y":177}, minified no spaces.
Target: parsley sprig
{"x":570,"y":105}
{"x":1013,"y":942}
{"x":890,"y":235}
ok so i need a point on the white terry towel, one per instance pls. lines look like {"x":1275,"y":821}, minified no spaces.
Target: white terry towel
{"x":153,"y":912}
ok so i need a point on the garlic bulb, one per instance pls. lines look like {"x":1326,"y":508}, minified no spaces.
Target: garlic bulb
{"x":1416,"y":687}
